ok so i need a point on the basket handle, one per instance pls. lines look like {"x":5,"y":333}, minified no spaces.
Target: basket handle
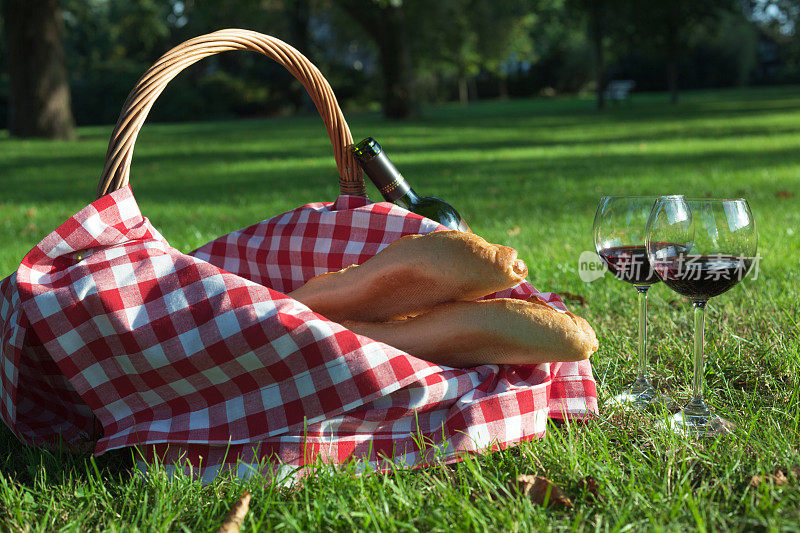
{"x":134,"y":112}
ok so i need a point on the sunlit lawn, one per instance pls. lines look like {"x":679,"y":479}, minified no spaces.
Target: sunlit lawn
{"x":524,"y":173}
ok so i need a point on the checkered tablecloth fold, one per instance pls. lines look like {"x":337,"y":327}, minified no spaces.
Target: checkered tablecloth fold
{"x":109,"y":333}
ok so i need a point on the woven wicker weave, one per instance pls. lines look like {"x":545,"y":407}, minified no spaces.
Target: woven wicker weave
{"x":140,"y":100}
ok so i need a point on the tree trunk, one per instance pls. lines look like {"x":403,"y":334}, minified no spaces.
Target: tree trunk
{"x":672,"y":75}
{"x":472,"y":88}
{"x":596,"y":37}
{"x":463,"y":90}
{"x":387,"y":27}
{"x":672,"y":64}
{"x":299,"y":17}
{"x":39,"y":102}
{"x":398,"y":97}
{"x":502,"y":87}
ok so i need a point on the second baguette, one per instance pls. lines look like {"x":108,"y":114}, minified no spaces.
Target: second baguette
{"x":499,"y":331}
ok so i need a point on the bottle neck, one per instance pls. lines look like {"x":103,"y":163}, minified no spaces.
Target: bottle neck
{"x":407,"y":201}
{"x":382,"y":172}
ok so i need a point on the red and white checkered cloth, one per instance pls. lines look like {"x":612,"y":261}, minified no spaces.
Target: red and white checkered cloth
{"x":109,"y":333}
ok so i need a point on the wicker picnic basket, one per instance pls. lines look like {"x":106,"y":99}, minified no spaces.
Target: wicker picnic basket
{"x":110,"y":337}
{"x":134,"y":112}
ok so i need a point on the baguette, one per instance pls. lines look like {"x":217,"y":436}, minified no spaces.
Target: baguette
{"x":412,"y":275}
{"x":499,"y":331}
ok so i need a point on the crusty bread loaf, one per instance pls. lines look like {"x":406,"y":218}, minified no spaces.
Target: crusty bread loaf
{"x":500,"y":331}
{"x":412,"y":275}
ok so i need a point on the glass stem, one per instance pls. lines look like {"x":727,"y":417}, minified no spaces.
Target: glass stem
{"x":642,"y":299}
{"x":699,"y":323}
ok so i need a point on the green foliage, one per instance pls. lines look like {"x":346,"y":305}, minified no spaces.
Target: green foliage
{"x":563,"y":58}
{"x":778,"y":22}
{"x":727,"y":55}
{"x":467,"y":36}
{"x":524,"y":173}
{"x":111,"y":43}
{"x":714,"y":55}
{"x":513,"y":47}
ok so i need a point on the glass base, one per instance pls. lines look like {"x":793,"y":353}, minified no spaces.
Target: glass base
{"x":641,"y":395}
{"x":697,"y":420}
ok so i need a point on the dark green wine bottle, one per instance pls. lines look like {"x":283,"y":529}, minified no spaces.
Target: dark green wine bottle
{"x":394,"y":188}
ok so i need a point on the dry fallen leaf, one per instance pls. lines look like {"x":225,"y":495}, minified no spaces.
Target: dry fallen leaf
{"x":592,"y":488}
{"x":577,"y":298}
{"x":513,"y":231}
{"x":541,"y":491}
{"x":778,"y":478}
{"x":236,"y":516}
{"x":784,"y":194}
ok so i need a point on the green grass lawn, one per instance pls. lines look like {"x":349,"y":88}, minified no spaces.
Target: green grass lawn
{"x":524,"y":173}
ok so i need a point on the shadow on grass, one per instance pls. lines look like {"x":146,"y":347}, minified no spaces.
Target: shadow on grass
{"x":202,"y":178}
{"x":223,"y":162}
{"x":27,"y":465}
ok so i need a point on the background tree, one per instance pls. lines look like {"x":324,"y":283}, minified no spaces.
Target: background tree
{"x":478,"y":37}
{"x":386,"y":23}
{"x":777,"y":23}
{"x":451,"y":39}
{"x":606,"y":24}
{"x":560,"y":58}
{"x":398,"y":53}
{"x":597,"y":17}
{"x":39,"y":96}
{"x":666,"y":28}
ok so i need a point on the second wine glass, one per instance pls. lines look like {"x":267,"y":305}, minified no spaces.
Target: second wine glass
{"x":619,"y":238}
{"x":700,"y":248}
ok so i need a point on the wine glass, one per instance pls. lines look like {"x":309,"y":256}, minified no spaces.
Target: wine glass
{"x":701,"y":248}
{"x":619,"y":238}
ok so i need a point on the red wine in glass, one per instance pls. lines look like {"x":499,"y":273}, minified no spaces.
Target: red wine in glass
{"x":629,"y":263}
{"x":701,"y":277}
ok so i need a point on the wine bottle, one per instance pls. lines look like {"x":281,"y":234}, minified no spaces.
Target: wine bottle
{"x":394,"y":188}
